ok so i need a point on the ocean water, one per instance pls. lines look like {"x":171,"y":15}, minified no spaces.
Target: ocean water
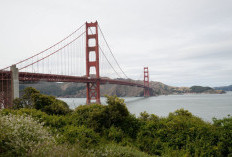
{"x":205,"y":106}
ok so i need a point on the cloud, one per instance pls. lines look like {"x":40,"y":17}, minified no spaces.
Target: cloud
{"x":182,"y":42}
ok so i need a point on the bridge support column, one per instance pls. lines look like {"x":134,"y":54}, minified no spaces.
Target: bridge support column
{"x":146,"y":82}
{"x":92,"y":88}
{"x":14,"y":83}
{"x":5,"y":90}
{"x":9,"y":87}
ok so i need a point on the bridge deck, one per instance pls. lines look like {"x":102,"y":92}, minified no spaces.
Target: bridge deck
{"x":36,"y":77}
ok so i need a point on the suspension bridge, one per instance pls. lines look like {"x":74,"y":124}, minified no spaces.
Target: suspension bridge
{"x":84,"y":56}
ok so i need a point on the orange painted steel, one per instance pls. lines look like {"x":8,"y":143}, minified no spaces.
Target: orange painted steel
{"x":146,"y":82}
{"x":92,"y":88}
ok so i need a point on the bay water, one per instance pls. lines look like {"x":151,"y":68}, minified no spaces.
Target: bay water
{"x":205,"y":106}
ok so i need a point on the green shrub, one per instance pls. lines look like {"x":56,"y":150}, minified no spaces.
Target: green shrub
{"x":179,"y":131}
{"x":85,"y":137}
{"x":115,"y":134}
{"x":32,"y":98}
{"x":50,"y":104}
{"x":26,"y":100}
{"x":54,"y":122}
{"x":98,"y":116}
{"x":224,"y":128}
{"x":22,"y":135}
{"x":130,"y":126}
{"x":78,"y":133}
{"x":116,"y":111}
{"x":63,"y":150}
{"x":102,"y":117}
{"x":92,"y":116}
{"x":114,"y":150}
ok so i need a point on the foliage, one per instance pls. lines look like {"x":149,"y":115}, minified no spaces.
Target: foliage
{"x":21,"y":135}
{"x":32,"y":98}
{"x":224,"y":128}
{"x":55,"y":89}
{"x":84,"y":136}
{"x":92,"y":116}
{"x":98,"y":116}
{"x":116,"y":111}
{"x":199,"y":89}
{"x":104,"y":150}
{"x":114,"y":150}
{"x":63,"y":150}
{"x":144,"y":116}
{"x":110,"y":130}
{"x":72,"y":90}
{"x":50,"y":104}
{"x":115,"y":134}
{"x":180,"y":131}
{"x":26,"y":100}
{"x":55,"y":122}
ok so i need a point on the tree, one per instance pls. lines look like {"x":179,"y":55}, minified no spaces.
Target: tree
{"x":32,"y":98}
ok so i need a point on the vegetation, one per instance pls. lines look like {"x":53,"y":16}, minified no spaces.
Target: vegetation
{"x":199,"y":89}
{"x":55,"y":89}
{"x":32,"y":98}
{"x":37,"y":127}
{"x":79,"y":89}
{"x":20,"y":134}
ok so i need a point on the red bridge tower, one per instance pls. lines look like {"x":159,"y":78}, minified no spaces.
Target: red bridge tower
{"x":146,"y":82}
{"x":92,"y":88}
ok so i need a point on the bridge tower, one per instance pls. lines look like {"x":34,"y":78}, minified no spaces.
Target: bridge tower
{"x":146,"y":82}
{"x":92,"y":88}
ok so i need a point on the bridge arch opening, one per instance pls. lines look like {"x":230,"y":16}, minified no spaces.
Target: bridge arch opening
{"x":92,"y":71}
{"x":92,"y":30}
{"x":92,"y":56}
{"x":92,"y":42}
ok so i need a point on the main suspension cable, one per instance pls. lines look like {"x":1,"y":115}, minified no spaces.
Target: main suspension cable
{"x":54,"y":51}
{"x":106,"y":57}
{"x":49,"y":47}
{"x":111,"y":51}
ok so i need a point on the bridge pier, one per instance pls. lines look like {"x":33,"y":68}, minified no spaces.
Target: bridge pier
{"x":9,"y":87}
{"x":5,"y":93}
{"x":14,"y":82}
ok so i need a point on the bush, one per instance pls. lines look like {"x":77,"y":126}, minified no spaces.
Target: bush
{"x":22,"y":135}
{"x":50,"y":104}
{"x":98,"y":116}
{"x":92,"y":116}
{"x":27,"y":99}
{"x":224,"y":128}
{"x":115,"y":134}
{"x":54,"y":122}
{"x":114,"y":150}
{"x":179,"y":132}
{"x":116,"y":111}
{"x":32,"y":98}
{"x":85,"y":137}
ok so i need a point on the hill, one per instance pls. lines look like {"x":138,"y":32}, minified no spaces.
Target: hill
{"x":225,"y":88}
{"x":79,"y":89}
{"x":209,"y":90}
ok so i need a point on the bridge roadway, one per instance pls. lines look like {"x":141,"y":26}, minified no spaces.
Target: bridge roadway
{"x":36,"y":77}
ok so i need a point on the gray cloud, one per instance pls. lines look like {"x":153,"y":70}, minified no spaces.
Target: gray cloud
{"x":183,"y":42}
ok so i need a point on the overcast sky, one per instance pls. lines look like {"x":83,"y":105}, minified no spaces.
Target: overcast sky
{"x":183,"y":42}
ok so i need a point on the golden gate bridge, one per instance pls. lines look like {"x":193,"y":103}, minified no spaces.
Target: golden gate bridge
{"x":84,"y":56}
